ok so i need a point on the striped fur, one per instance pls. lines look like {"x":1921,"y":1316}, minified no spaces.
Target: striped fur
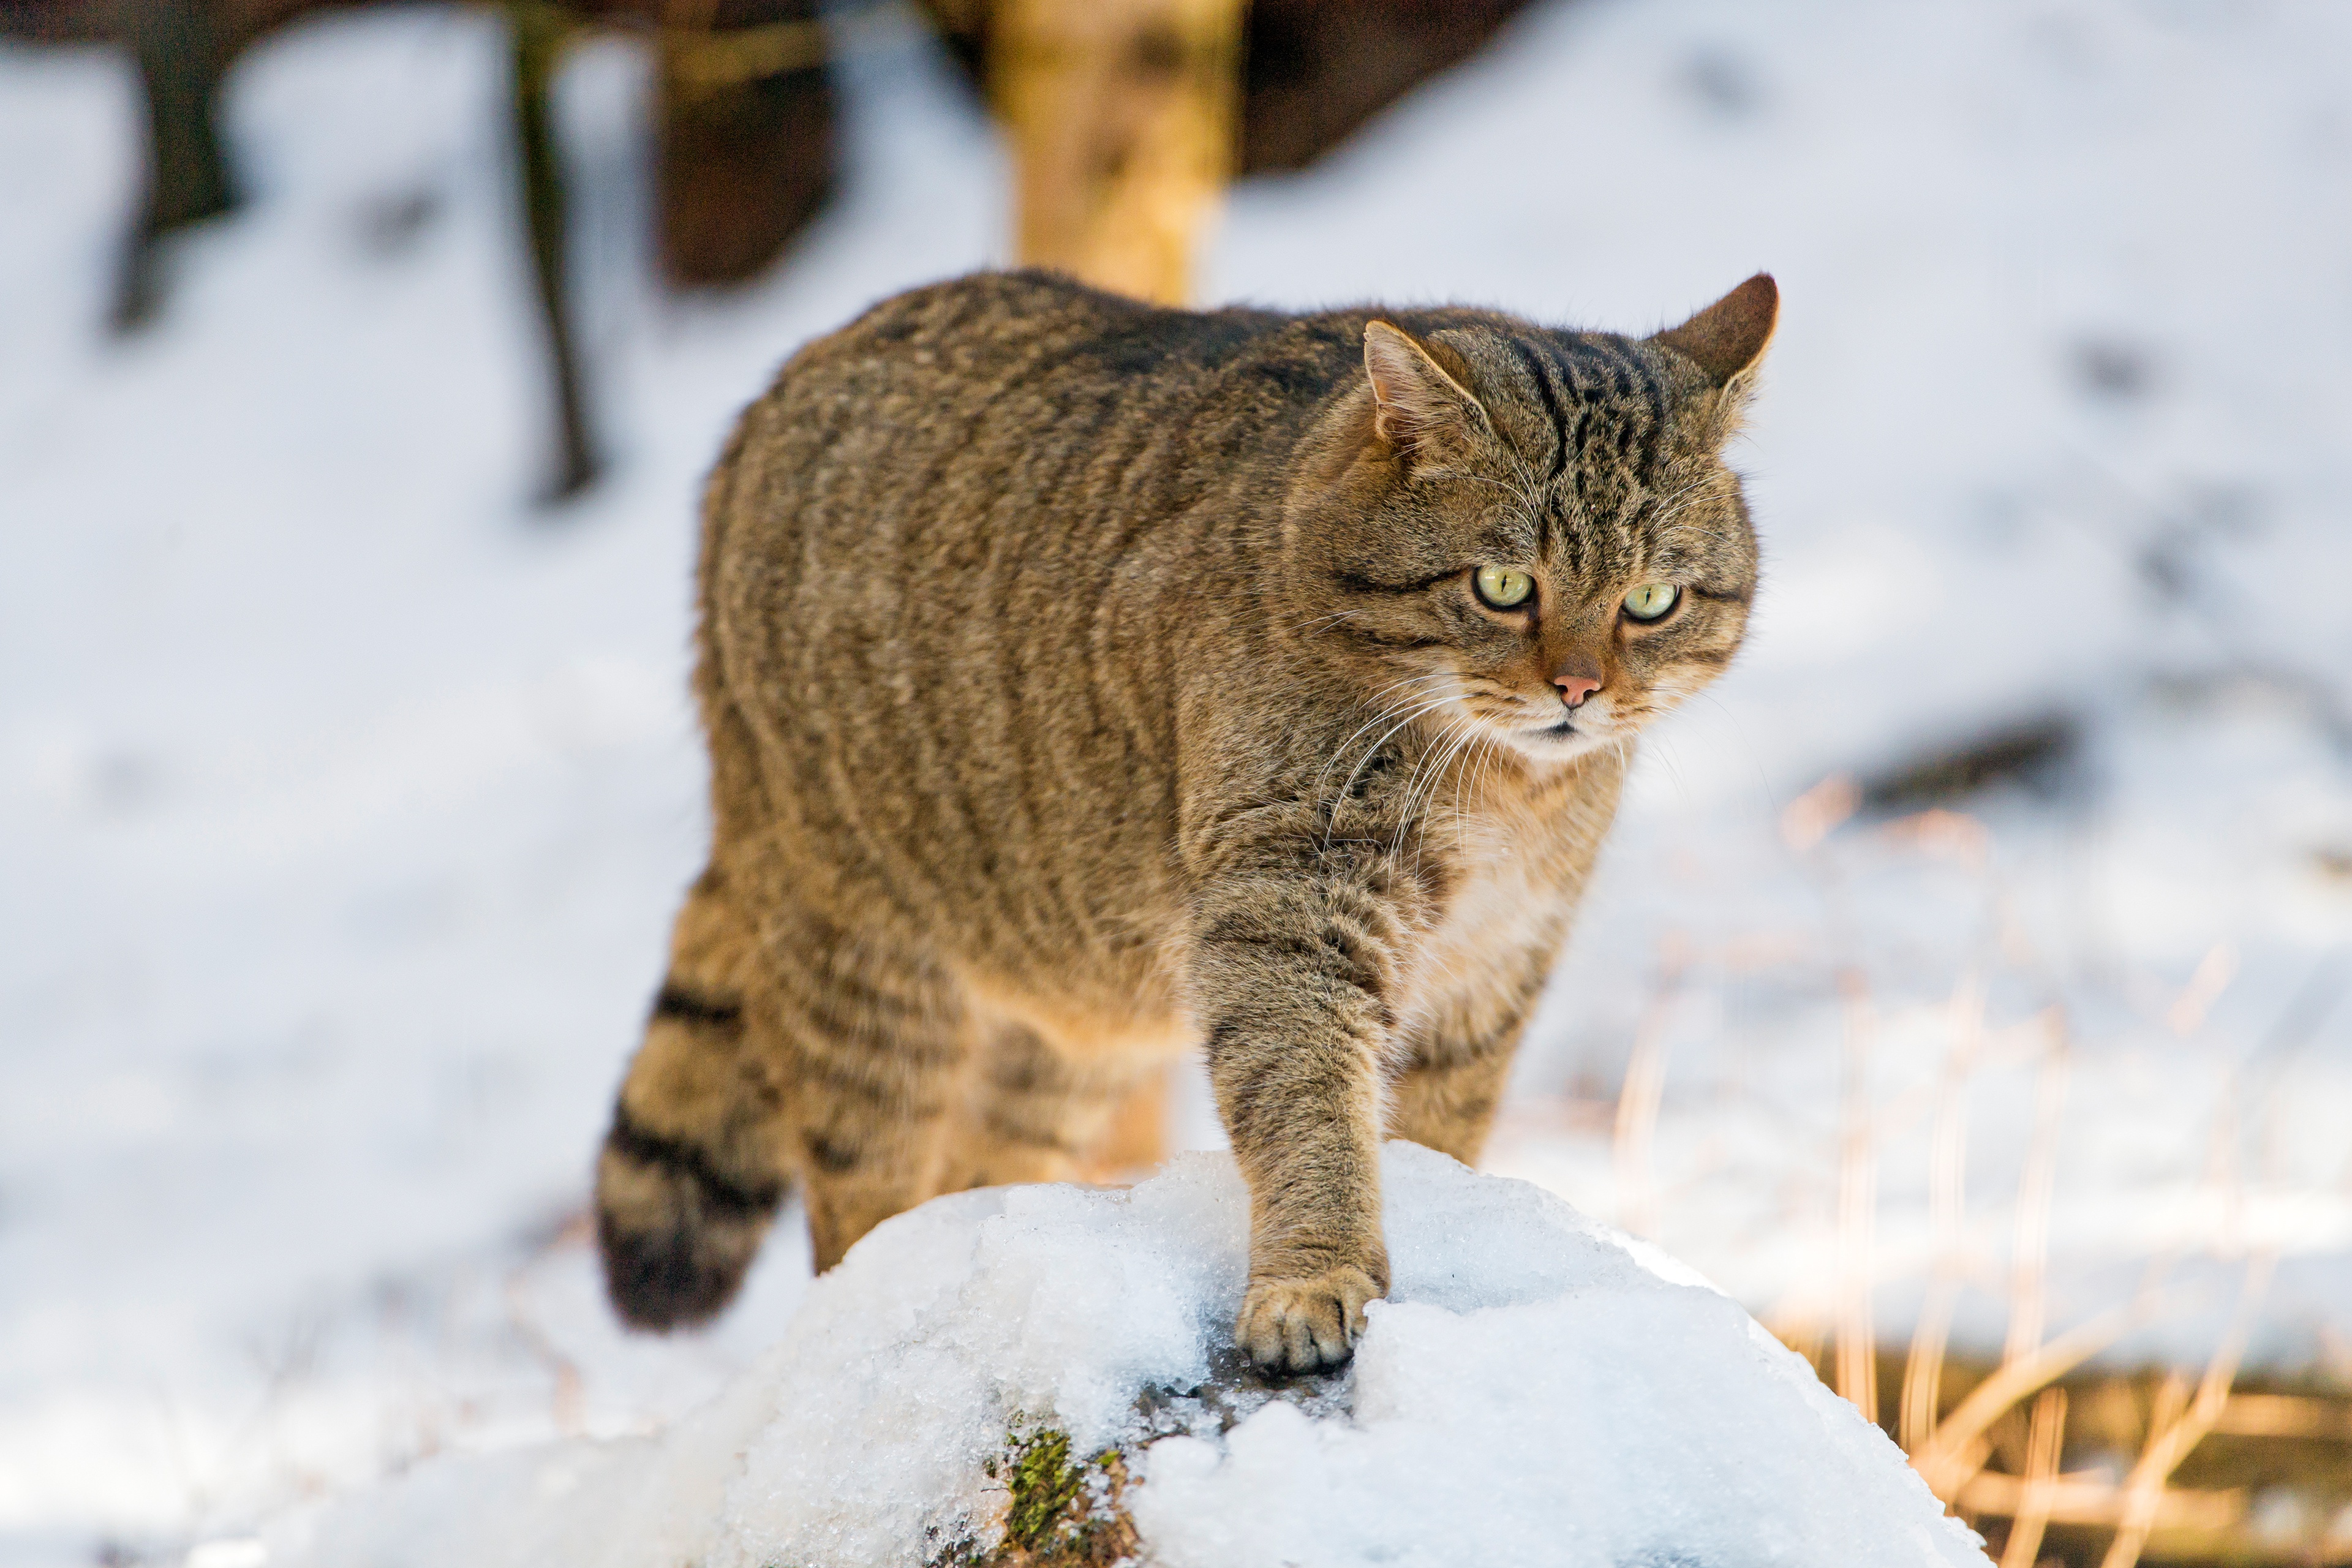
{"x":1086,"y":683}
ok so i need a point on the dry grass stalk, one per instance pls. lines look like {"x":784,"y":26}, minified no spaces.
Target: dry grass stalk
{"x":567,"y":1392}
{"x":1857,"y":1348}
{"x":2018,"y":1412}
{"x":2093,"y":1501}
{"x":1950,"y":1458}
{"x":2031,"y":1256}
{"x":2268,"y":1483}
{"x":1814,"y":814}
{"x":2171,"y":1439}
{"x":2285,"y":1416}
{"x":2213,"y":975}
{"x":1952,"y":836}
{"x":2143,"y":1489}
{"x":1923,"y":1371}
{"x":2044,"y":1442}
{"x":1637,"y":1101}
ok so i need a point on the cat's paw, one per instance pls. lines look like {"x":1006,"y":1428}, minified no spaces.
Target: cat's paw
{"x":1298,"y":1325}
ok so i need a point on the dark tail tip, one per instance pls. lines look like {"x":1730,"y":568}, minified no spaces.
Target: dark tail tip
{"x":676,"y":1234}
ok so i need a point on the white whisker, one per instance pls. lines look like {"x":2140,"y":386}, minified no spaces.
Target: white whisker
{"x":1371,"y":751}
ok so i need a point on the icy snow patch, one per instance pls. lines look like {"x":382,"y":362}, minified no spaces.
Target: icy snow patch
{"x":1534,"y":1391}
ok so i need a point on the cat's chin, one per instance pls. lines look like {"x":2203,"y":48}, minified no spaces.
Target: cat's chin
{"x":1560,"y":742}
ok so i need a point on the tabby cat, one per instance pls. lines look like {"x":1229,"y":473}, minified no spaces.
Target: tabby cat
{"x":1088,"y":683}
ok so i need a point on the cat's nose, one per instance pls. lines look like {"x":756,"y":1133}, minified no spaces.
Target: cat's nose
{"x":1575,"y":687}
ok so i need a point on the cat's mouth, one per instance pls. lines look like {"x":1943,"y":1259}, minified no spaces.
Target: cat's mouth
{"x":1580,"y":727}
{"x":1569,"y":736}
{"x":1559,"y":741}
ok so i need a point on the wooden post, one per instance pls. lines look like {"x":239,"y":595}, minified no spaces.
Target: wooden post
{"x":178,"y":47}
{"x":1121,"y":114}
{"x":745,"y":133}
{"x":538,"y":34}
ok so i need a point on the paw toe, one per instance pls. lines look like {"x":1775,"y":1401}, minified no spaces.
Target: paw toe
{"x":1300,"y":1325}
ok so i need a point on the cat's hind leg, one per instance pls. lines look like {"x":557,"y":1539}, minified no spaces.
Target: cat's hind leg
{"x":695,"y":1161}
{"x":1037,"y":1110}
{"x":877,"y":1043}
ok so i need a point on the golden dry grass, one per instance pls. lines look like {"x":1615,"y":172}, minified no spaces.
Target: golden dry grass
{"x":2054,"y":1456}
{"x":2096,"y":1469}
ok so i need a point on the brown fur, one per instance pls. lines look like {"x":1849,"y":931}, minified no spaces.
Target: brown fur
{"x":1086,"y":683}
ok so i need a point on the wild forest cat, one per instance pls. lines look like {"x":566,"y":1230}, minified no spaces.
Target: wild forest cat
{"x":1088,"y":683}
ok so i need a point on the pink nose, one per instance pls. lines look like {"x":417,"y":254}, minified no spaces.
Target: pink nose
{"x":1575,"y":689}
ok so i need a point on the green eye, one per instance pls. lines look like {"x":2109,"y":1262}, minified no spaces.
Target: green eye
{"x":1651,"y":601}
{"x":1500,"y":588}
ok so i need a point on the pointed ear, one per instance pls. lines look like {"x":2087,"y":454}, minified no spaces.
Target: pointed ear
{"x":1421,"y":409}
{"x":1727,"y":339}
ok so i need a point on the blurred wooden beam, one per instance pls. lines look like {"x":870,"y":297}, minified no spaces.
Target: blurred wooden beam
{"x":1312,"y":72}
{"x":1121,"y":115}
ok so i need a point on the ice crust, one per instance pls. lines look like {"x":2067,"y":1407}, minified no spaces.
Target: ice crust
{"x":1538,"y":1389}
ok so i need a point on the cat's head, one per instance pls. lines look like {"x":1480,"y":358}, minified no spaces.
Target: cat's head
{"x":1531,"y":535}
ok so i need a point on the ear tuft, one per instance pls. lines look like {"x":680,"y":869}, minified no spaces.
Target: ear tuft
{"x":1729,"y":337}
{"x":1418,"y":402}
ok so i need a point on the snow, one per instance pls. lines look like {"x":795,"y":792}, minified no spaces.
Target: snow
{"x":1533,"y":1390}
{"x":344,"y":798}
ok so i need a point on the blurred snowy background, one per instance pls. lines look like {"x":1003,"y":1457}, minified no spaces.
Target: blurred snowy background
{"x":1977,"y":952}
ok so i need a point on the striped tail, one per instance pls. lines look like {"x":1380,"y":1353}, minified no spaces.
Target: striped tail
{"x":687,"y":1182}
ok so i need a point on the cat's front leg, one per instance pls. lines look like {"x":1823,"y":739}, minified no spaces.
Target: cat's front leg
{"x":1290,"y":978}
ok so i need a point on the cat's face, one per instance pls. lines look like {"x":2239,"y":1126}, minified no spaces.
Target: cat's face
{"x":1537,"y":543}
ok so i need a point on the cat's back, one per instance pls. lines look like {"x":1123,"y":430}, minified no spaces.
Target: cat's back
{"x":951,"y":562}
{"x":1002,"y":421}
{"x":1012,"y":364}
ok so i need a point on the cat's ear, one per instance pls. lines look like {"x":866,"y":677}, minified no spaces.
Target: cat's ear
{"x":1420,"y":408}
{"x":1727,"y":339}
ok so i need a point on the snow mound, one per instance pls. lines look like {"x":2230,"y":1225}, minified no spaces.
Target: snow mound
{"x":1539,"y":1389}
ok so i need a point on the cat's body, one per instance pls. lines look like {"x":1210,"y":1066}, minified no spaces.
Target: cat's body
{"x":1084,"y":683}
